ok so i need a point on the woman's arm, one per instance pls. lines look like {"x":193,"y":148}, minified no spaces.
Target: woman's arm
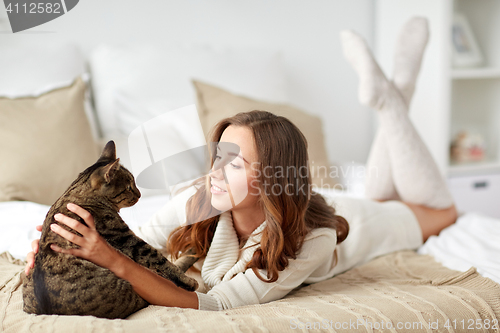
{"x":150,"y":286}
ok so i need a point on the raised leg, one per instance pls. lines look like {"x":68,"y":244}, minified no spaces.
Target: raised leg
{"x":416,"y":176}
{"x":410,"y":48}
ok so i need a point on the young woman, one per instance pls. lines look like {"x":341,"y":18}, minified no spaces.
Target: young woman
{"x":274,"y":232}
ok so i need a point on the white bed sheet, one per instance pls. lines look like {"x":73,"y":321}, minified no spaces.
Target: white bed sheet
{"x":18,"y":220}
{"x":471,"y":242}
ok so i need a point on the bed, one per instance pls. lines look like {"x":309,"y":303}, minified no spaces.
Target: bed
{"x":409,"y":290}
{"x":56,"y":118}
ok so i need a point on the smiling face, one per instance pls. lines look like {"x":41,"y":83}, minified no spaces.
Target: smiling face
{"x":235,"y":171}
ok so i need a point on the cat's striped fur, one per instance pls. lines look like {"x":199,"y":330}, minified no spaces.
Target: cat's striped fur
{"x":68,"y":285}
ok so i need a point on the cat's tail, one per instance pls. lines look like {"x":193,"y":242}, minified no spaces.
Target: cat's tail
{"x":187,"y":260}
{"x":180,"y":279}
{"x":44,"y":305}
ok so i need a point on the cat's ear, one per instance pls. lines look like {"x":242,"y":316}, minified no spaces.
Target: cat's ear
{"x":109,"y":152}
{"x":109,"y":170}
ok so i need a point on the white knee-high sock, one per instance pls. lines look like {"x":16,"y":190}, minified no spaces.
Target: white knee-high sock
{"x":408,"y":56}
{"x":416,"y":176}
{"x":379,"y":184}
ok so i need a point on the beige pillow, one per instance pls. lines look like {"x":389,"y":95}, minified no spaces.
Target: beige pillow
{"x":45,"y":142}
{"x":215,"y":104}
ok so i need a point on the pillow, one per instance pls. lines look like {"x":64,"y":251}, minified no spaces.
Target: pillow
{"x":45,"y":142}
{"x":146,"y":72}
{"x":175,"y":129}
{"x":55,"y":65}
{"x":215,"y":104}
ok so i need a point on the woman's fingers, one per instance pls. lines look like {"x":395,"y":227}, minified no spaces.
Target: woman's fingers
{"x":72,"y":223}
{"x":30,"y":259}
{"x":75,"y":239}
{"x":34,"y":245}
{"x":85,"y":215}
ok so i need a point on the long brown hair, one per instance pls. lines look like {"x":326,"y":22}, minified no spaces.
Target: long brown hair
{"x":290,"y":214}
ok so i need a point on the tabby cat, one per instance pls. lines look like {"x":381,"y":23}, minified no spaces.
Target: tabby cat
{"x":68,"y":285}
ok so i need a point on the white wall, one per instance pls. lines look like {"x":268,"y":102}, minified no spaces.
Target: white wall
{"x":306,"y":31}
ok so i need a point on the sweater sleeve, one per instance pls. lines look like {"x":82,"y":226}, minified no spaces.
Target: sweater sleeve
{"x":155,"y":232}
{"x":246,"y":288}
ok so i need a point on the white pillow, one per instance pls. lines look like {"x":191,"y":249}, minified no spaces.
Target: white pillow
{"x":133,"y":112}
{"x":29,"y":70}
{"x":164,"y":72}
{"x":176,"y":130}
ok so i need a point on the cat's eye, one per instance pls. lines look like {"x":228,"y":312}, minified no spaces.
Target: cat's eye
{"x":128,"y":187}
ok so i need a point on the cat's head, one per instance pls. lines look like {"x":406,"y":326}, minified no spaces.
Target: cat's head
{"x":114,"y":181}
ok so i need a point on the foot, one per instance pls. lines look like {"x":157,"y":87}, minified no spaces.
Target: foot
{"x":373,"y":83}
{"x":408,"y":55}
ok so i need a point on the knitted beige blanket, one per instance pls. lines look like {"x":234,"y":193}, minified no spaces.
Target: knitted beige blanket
{"x":399,"y":292}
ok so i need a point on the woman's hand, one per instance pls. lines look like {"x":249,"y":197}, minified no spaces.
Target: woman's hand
{"x":150,"y":286}
{"x":92,"y":246}
{"x":30,"y":258}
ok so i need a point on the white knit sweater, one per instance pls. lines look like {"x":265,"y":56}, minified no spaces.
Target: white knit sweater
{"x":228,"y":284}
